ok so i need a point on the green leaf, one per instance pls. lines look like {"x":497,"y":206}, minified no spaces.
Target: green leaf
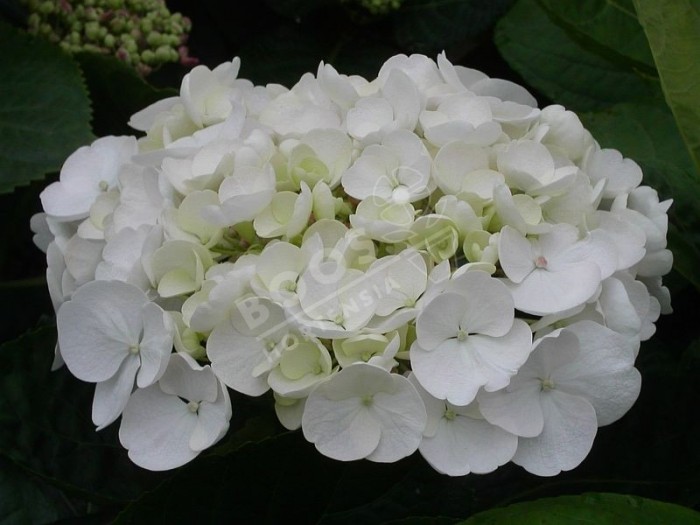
{"x":45,"y":426}
{"x":23,"y":500}
{"x":607,"y":27}
{"x":673,"y":30}
{"x":648,"y":134}
{"x":279,"y":480}
{"x":284,"y":479}
{"x":44,"y":108}
{"x":587,"y":509}
{"x":117,"y":92}
{"x":562,"y":69}
{"x":428,"y":26}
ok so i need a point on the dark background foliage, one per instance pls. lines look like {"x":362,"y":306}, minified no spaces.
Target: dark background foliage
{"x":593,"y":57}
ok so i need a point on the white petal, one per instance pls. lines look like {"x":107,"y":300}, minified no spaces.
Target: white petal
{"x":545,"y":292}
{"x":449,"y":371}
{"x":212,"y":421}
{"x":440,"y":320}
{"x":504,"y":90}
{"x":402,"y":417}
{"x":489,"y":306}
{"x":619,"y":311}
{"x":156,"y":429}
{"x":516,"y":411}
{"x":501,"y":357}
{"x":569,"y":429}
{"x":235,"y":356}
{"x":516,"y":254}
{"x":603,"y":371}
{"x":463,"y":445}
{"x":289,"y":411}
{"x":112,"y":395}
{"x":156,"y":344}
{"x":342,"y":429}
{"x":185,"y":378}
{"x":97,"y":327}
{"x":368,"y":116}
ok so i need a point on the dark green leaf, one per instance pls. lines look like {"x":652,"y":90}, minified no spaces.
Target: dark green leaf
{"x":280,"y":480}
{"x":673,"y":29}
{"x":285,"y":480}
{"x":45,"y":426}
{"x":23,"y":499}
{"x":117,"y":92}
{"x":648,"y":134}
{"x":608,"y":27}
{"x":559,"y":67}
{"x":44,"y":108}
{"x":588,"y":509}
{"x":428,"y":26}
{"x":424,"y":520}
{"x":22,"y":265}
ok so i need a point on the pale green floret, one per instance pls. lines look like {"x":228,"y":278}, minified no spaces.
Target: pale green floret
{"x":379,"y":7}
{"x":367,"y":400}
{"x":547,"y":385}
{"x":142,"y":33}
{"x":449,"y":414}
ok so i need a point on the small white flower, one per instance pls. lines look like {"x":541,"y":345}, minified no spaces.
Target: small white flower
{"x":170,"y":423}
{"x":397,"y":170}
{"x":372,"y":118}
{"x":206,"y":94}
{"x":383,"y":220}
{"x":177,"y":267}
{"x":244,"y":194}
{"x":305,"y":108}
{"x":364,"y":411}
{"x":111,"y":334}
{"x":529,"y":166}
{"x":88,"y":172}
{"x":287,"y":214}
{"x":467,"y":338}
{"x":249,"y":343}
{"x":462,"y":117}
{"x":557,"y":271}
{"x":458,"y":440}
{"x":575,"y":380}
{"x":621,"y":175}
{"x":464,"y":169}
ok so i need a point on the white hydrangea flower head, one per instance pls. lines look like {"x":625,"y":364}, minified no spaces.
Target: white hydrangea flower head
{"x":377,"y":253}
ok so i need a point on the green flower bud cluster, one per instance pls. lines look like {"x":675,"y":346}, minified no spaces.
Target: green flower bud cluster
{"x":380,"y":7}
{"x":142,"y":33}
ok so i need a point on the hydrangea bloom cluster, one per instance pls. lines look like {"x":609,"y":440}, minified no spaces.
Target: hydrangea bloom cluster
{"x":425,"y":261}
{"x":142,"y":33}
